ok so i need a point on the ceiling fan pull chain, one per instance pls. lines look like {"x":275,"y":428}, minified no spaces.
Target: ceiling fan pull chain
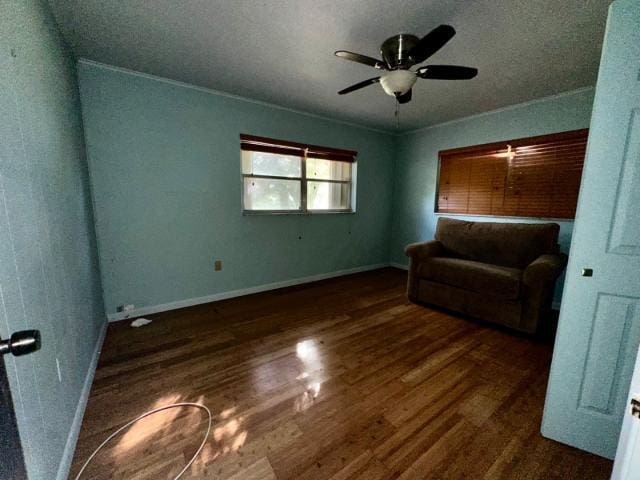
{"x":397,"y":114}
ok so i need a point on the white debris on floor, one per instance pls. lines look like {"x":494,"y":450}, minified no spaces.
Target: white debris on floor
{"x":140,"y":322}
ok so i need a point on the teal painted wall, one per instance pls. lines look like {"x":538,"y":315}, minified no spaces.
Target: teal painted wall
{"x":165,"y":169}
{"x":416,"y":164}
{"x":49,"y":276}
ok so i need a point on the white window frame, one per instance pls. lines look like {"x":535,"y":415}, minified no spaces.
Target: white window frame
{"x":303,"y":210}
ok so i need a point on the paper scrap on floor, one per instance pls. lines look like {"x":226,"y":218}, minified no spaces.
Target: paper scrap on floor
{"x":140,"y":322}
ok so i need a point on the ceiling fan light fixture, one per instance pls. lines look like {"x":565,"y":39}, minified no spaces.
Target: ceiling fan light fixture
{"x":397,"y":82}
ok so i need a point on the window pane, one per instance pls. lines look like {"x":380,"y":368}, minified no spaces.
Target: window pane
{"x":271,"y":194}
{"x":328,"y":196}
{"x":328,"y":170}
{"x":259,"y":163}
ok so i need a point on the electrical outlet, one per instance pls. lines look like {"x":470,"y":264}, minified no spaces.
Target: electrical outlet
{"x":217,"y":265}
{"x":126,"y":308}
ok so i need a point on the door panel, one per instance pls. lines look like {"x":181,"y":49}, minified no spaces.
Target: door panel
{"x":20,"y":372}
{"x":608,"y":348}
{"x":626,"y":221}
{"x":599,"y":326}
{"x":33,"y":379}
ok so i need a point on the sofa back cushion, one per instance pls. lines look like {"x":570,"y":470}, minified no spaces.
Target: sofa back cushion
{"x":513,"y":245}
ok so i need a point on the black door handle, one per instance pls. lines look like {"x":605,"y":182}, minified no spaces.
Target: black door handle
{"x":21,"y":343}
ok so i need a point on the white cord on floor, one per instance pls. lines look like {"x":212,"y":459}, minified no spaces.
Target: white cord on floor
{"x":146,"y":414}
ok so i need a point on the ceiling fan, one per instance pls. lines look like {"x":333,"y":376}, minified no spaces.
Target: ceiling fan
{"x":399,"y":54}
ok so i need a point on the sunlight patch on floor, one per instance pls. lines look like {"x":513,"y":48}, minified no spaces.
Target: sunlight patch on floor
{"x":308,"y":354}
{"x":141,"y":431}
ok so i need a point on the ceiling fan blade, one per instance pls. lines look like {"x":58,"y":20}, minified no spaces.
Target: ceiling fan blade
{"x":446,"y":72}
{"x":431,"y":43}
{"x":360,"y":85}
{"x":356,"y":57}
{"x":406,"y":98}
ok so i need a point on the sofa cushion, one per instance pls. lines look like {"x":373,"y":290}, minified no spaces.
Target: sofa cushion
{"x":501,"y":282}
{"x":513,"y":245}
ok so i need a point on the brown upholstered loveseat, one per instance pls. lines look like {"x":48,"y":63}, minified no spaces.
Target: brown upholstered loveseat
{"x":499,"y":272}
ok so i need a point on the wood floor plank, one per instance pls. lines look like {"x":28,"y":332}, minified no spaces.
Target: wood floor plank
{"x":341,"y":379}
{"x":442,"y":357}
{"x":261,"y":470}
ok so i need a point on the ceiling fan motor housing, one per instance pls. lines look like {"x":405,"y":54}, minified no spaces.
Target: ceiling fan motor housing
{"x":395,"y":51}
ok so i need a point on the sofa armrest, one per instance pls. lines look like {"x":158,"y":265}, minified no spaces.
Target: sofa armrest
{"x":423,"y":250}
{"x":419,"y":252}
{"x":544,"y":269}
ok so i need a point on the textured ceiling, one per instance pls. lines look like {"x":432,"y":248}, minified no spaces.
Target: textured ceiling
{"x":281,"y":51}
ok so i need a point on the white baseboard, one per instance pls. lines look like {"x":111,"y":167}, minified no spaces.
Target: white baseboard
{"x":74,"y":432}
{"x":399,"y":265}
{"x":189,"y":302}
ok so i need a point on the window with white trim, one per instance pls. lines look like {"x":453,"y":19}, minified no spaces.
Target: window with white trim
{"x":286,"y":177}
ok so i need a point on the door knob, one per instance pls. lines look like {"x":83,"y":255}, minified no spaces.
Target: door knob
{"x":587,"y":272}
{"x":21,"y":343}
{"x":635,"y":406}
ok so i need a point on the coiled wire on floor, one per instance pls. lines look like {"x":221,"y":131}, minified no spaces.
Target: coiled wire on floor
{"x":146,"y":414}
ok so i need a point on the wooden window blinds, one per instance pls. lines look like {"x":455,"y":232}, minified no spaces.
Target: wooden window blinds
{"x":282,"y":147}
{"x":528,"y":177}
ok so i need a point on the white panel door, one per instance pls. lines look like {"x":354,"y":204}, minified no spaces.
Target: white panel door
{"x":599,"y":326}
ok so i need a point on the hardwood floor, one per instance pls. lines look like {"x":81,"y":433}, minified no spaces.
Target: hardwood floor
{"x":340,"y":379}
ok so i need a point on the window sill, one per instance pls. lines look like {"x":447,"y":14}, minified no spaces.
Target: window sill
{"x":511,"y":217}
{"x":251,"y":213}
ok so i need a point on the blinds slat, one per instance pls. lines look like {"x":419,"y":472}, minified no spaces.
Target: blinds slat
{"x":272,"y":149}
